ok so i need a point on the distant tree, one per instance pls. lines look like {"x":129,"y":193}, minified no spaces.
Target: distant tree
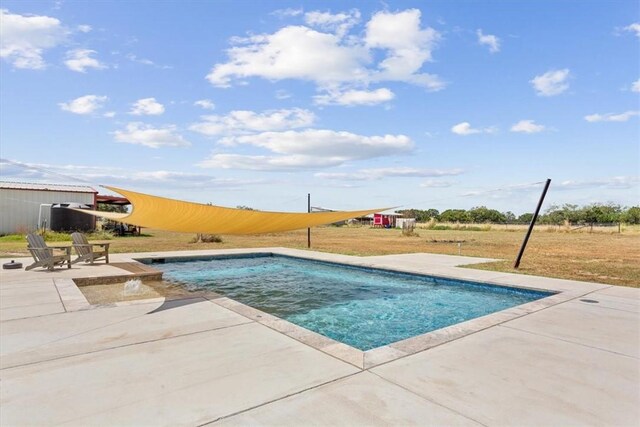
{"x":559,"y":214}
{"x":432,"y":213}
{"x":107,"y":207}
{"x":525,"y":218}
{"x":510,"y":217}
{"x":408,"y":213}
{"x":245,"y":208}
{"x":419,"y":214}
{"x":631,"y":215}
{"x":454,"y":215}
{"x":482,"y":214}
{"x":601,"y":214}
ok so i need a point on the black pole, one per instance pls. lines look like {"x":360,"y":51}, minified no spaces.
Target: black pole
{"x":308,"y":211}
{"x":533,"y":222}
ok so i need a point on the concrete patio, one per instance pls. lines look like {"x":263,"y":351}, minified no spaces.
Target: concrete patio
{"x":196,"y":361}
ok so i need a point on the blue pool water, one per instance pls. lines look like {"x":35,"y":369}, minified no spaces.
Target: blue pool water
{"x":364,"y":308}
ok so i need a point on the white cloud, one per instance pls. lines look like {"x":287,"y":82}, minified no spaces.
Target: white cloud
{"x":408,"y":47}
{"x":380,"y":173}
{"x":311,"y":148}
{"x":287,"y":13}
{"x":249,"y":121}
{"x":527,"y":126}
{"x":394,"y":48}
{"x":188,"y":180}
{"x":282,"y":94}
{"x":465,"y":129}
{"x":635,"y":86}
{"x":613,"y":183}
{"x":325,"y":143}
{"x":109,"y":114}
{"x":339,"y":23}
{"x":355,"y":97}
{"x":293,"y":52}
{"x":147,"y":107}
{"x":149,"y":136}
{"x":267,"y":163}
{"x":84,"y":28}
{"x":38,"y":172}
{"x":84,"y":105}
{"x":611,"y":117}
{"x":489,"y":40}
{"x":24,"y":38}
{"x":432,"y":183}
{"x":633,"y":28}
{"x":80,"y":59}
{"x":206,"y":104}
{"x":144,"y":61}
{"x":134,"y":58}
{"x":551,"y":83}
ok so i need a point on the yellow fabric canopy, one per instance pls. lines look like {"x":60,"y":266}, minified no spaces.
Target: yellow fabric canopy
{"x":176,"y":215}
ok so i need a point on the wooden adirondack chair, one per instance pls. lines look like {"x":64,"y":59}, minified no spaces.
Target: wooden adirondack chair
{"x":86,"y":251}
{"x":43,"y":254}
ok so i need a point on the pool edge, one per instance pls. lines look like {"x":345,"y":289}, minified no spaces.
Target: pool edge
{"x":387,"y":353}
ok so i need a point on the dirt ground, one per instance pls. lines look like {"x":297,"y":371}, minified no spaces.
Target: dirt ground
{"x":612,"y":258}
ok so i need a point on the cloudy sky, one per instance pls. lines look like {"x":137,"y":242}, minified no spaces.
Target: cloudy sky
{"x":361,"y":103}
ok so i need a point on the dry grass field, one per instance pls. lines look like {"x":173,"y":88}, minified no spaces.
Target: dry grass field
{"x":605,"y":257}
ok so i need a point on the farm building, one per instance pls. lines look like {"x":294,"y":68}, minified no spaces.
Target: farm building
{"x":26,"y":207}
{"x":386,"y":219}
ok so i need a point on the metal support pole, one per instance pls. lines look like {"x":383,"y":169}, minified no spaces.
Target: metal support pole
{"x":533,"y":222}
{"x":308,"y":211}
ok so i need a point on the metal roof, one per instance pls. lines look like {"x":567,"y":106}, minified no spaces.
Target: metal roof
{"x":47,"y":187}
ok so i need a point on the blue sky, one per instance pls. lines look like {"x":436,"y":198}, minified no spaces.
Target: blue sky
{"x":363,"y":104}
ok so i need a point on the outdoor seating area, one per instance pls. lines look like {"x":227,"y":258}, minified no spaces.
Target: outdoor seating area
{"x":86,"y":251}
{"x":199,"y":359}
{"x":44,"y":256}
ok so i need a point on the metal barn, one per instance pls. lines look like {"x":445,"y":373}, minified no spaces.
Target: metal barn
{"x":20,"y":203}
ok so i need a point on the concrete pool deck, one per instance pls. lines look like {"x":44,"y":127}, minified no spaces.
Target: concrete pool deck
{"x":195,"y":361}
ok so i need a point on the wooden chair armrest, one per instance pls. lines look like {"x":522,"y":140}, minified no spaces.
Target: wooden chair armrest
{"x":67,"y":249}
{"x":104,"y":245}
{"x":59,"y":246}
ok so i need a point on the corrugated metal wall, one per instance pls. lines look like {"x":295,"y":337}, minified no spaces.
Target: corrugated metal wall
{"x":19,"y":208}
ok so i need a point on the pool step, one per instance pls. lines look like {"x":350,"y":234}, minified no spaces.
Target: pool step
{"x":135,"y":270}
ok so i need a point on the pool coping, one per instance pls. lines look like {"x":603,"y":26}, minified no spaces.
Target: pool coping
{"x":74,"y":300}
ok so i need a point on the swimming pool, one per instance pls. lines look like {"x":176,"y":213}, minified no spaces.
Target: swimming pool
{"x":362,"y":307}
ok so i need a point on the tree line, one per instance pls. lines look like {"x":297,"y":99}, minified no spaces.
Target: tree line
{"x":596,"y":213}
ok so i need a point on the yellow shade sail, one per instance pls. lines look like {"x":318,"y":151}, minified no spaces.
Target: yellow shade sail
{"x":175,"y":215}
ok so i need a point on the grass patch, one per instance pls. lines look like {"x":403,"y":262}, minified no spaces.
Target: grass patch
{"x":101,"y":235}
{"x":458,"y":227}
{"x":13,"y":238}
{"x":55,"y":236}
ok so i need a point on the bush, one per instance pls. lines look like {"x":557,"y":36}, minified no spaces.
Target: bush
{"x":55,"y":236}
{"x":101,"y":235}
{"x":206,"y":238}
{"x":440,"y":227}
{"x":13,"y":238}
